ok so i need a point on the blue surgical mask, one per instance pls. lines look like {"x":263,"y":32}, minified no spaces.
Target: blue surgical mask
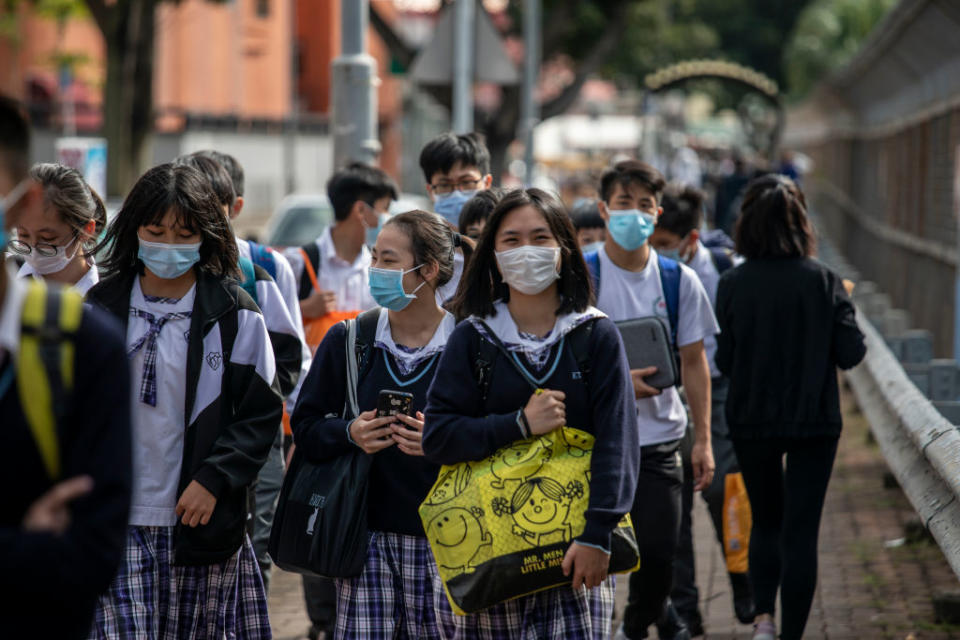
{"x":373,"y":232}
{"x":675,"y":254}
{"x":7,"y":203}
{"x":593,"y":247}
{"x":169,"y":261}
{"x":630,"y":228}
{"x":450,"y":204}
{"x":386,"y":287}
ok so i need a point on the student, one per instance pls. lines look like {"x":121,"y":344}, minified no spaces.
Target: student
{"x":590,"y":226}
{"x":527,"y":282}
{"x":413,"y":256}
{"x":332,"y":271}
{"x":61,"y":534}
{"x":634,"y":282}
{"x":783,"y":400}
{"x":476,"y":212}
{"x":677,"y":236}
{"x":270,"y":478}
{"x":206,"y":405}
{"x":456,"y":167}
{"x":54,"y":239}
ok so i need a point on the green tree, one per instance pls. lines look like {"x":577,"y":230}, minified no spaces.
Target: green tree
{"x":827,"y":35}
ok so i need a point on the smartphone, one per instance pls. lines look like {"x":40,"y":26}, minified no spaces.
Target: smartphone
{"x":390,"y":403}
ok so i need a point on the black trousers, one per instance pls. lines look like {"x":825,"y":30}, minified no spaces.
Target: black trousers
{"x":786,"y":503}
{"x":656,"y":519}
{"x":321,"y":598}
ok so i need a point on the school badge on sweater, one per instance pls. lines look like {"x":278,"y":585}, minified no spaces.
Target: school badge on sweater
{"x":500,"y":527}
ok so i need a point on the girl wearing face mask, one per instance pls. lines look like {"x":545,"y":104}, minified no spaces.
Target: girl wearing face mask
{"x":54,"y":240}
{"x":412,"y":257}
{"x":527,"y":284}
{"x":205,"y":409}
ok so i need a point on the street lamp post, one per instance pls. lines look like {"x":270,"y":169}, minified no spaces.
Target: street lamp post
{"x":463,"y":50}
{"x":531,"y":74}
{"x":354,"y":122}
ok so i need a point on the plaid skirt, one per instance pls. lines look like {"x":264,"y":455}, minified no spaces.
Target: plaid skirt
{"x":395,"y":596}
{"x":560,"y":612}
{"x":152,"y":598}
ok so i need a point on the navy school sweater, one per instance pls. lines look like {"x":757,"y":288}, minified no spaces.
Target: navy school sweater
{"x":460,"y":427}
{"x":398,"y":482}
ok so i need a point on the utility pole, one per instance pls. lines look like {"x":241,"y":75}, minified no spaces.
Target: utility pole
{"x":355,"y":82}
{"x":530,"y":114}
{"x":463,"y":52}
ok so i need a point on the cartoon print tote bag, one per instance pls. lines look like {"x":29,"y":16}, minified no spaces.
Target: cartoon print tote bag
{"x":499,"y":528}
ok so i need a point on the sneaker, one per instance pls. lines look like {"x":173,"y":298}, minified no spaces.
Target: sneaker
{"x":671,"y":626}
{"x":765,"y":630}
{"x":694,"y":622}
{"x":743,"y":604}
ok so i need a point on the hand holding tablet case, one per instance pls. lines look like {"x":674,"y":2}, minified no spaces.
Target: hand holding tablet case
{"x":647,"y":343}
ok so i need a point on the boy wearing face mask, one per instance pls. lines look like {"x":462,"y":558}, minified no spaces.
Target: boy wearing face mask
{"x":631,"y":284}
{"x":456,"y":167}
{"x":590,"y":226}
{"x":677,"y":236}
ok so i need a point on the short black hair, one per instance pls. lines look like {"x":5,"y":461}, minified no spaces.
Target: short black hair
{"x":630,"y":172}
{"x":479,"y":207}
{"x":443,"y":152}
{"x":228,"y":162}
{"x":214,"y":172}
{"x":185,"y":191}
{"x":682,"y":209}
{"x":773,"y":220}
{"x":482,"y":284}
{"x":586,"y":215}
{"x":14,"y":139}
{"x":358,"y":181}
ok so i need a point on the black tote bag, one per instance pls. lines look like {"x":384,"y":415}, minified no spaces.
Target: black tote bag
{"x":320,"y":526}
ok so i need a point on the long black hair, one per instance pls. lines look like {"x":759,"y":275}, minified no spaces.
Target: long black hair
{"x":773,"y":220}
{"x":187,"y":193}
{"x":482,"y":284}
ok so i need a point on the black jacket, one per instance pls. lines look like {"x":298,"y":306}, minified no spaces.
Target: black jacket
{"x":230,"y":368}
{"x":49,"y":584}
{"x":785,"y":326}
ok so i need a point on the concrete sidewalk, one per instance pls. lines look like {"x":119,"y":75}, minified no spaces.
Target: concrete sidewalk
{"x":869,"y":588}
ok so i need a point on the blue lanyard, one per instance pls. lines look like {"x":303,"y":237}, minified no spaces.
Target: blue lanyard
{"x":6,"y":379}
{"x":428,"y":366}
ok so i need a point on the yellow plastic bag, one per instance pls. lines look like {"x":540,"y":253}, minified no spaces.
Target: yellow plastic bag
{"x":500,"y":527}
{"x":737,"y":522}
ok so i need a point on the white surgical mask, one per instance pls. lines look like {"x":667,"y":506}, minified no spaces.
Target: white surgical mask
{"x":45,"y":265}
{"x":529,"y":269}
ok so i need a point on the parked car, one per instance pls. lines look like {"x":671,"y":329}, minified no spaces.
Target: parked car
{"x":301,"y":218}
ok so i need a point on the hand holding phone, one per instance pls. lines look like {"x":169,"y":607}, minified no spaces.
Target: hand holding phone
{"x":391,"y":403}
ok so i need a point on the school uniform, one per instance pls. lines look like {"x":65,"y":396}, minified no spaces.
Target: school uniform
{"x":206,"y":404}
{"x":461,"y":425}
{"x":84,"y":284}
{"x":49,"y":584}
{"x":661,"y":421}
{"x":396,"y":595}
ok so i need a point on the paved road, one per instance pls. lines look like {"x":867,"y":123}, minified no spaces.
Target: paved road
{"x":868,"y":589}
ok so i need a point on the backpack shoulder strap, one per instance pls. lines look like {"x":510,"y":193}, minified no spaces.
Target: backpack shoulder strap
{"x":262,"y":256}
{"x":311,"y":269}
{"x":51,"y":317}
{"x":670,"y":281}
{"x":483,"y":365}
{"x":366,"y":337}
{"x":579,"y":340}
{"x":593,"y":266}
{"x":249,"y":282}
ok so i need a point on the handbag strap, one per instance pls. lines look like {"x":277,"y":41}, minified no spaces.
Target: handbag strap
{"x":493,"y":339}
{"x":351,"y":408}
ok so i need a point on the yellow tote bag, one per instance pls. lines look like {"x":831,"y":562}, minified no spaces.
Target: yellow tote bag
{"x":737,"y":522}
{"x":500,"y":527}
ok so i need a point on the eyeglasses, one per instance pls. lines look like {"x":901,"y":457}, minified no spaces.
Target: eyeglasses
{"x":468,"y":184}
{"x":42,"y":248}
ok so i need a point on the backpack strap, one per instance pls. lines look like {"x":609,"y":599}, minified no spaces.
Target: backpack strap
{"x":249,"y":282}
{"x":579,"y":341}
{"x":670,"y":281}
{"x":593,"y":266}
{"x":722,"y":258}
{"x":262,"y":256}
{"x":366,"y":337}
{"x":311,"y":268}
{"x":50,"y":320}
{"x":482,"y":366}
